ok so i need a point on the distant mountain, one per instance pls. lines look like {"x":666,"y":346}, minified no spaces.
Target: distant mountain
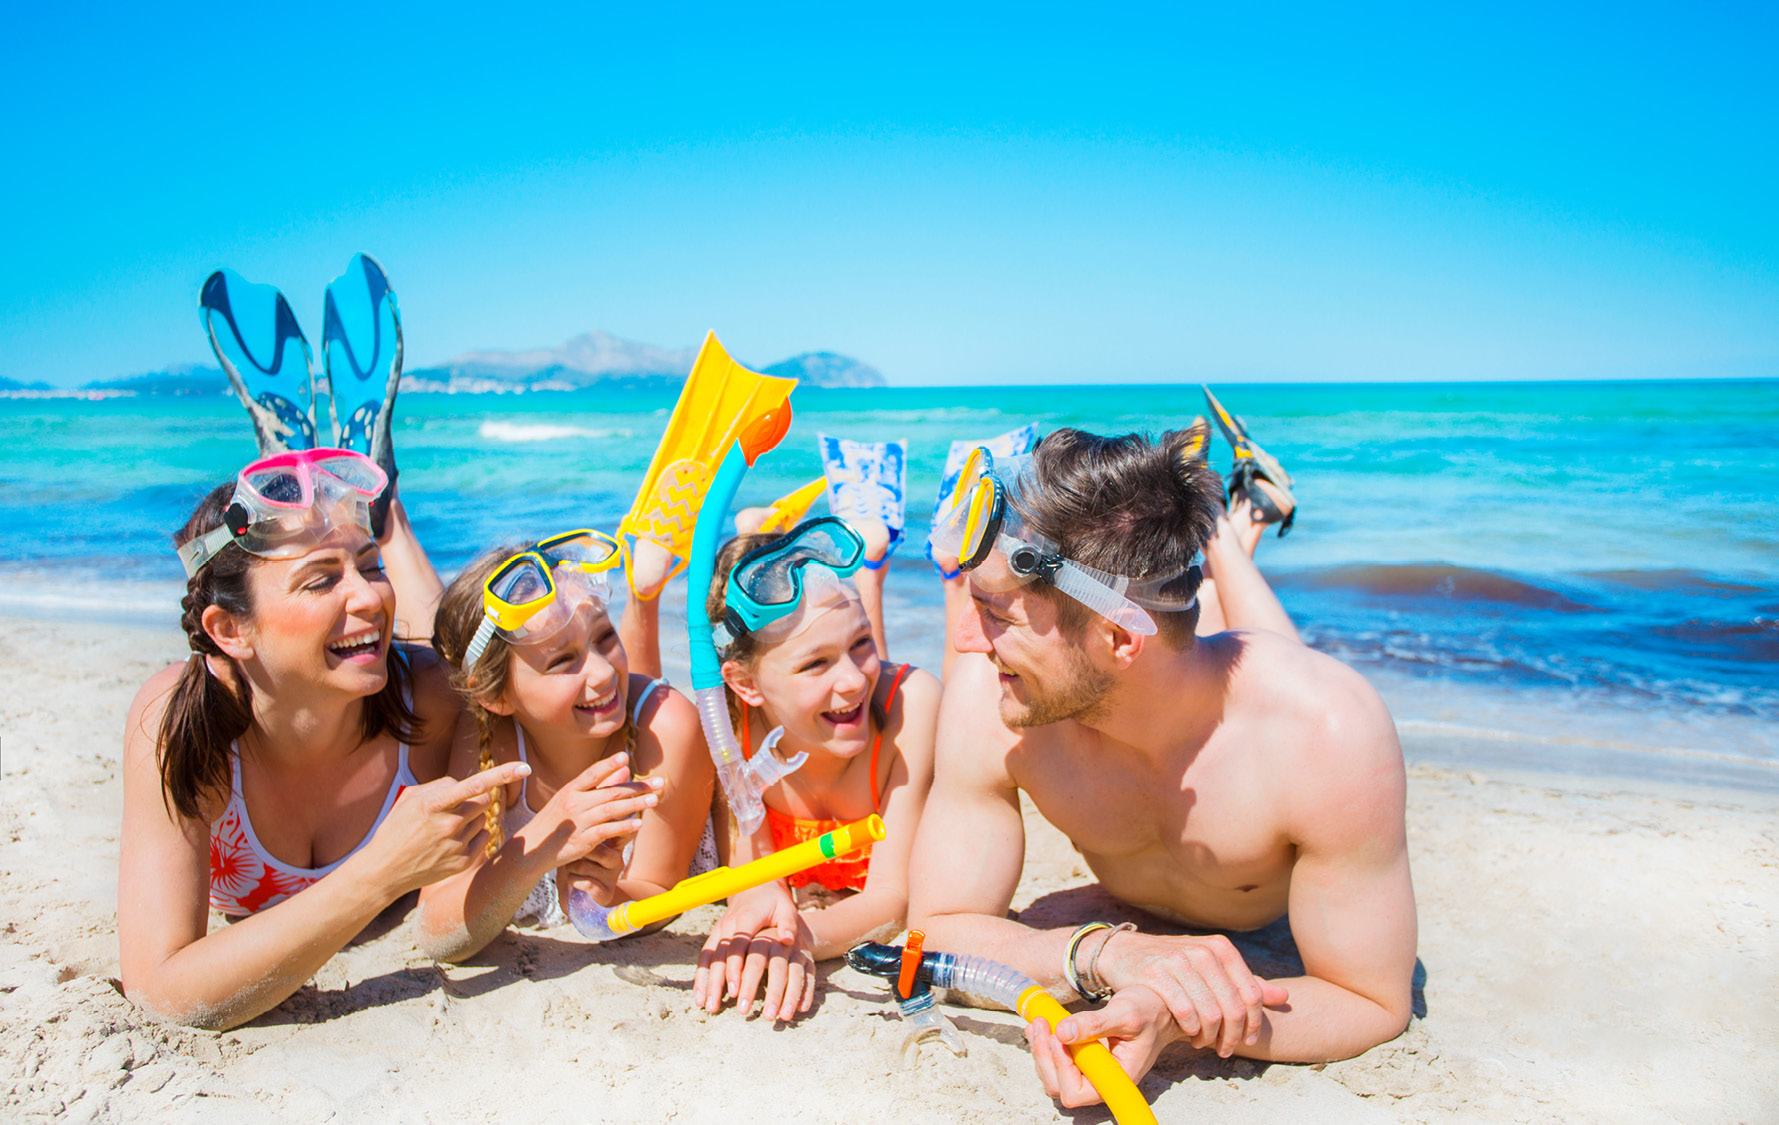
{"x":827,"y":369}
{"x":581,"y":362}
{"x":185,"y":379}
{"x":14,"y":385}
{"x":601,"y":358}
{"x":594,"y":358}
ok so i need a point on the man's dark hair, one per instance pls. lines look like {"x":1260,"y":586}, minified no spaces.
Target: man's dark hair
{"x":1129,"y":505}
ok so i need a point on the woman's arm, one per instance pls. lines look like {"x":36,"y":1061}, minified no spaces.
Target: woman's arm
{"x":175,"y":970}
{"x":881,"y":908}
{"x":459,"y":916}
{"x":417,"y":585}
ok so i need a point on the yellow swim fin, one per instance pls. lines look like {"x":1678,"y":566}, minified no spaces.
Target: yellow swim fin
{"x":719,"y":400}
{"x":788,"y":510}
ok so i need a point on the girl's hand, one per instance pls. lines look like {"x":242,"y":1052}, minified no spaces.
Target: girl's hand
{"x":601,"y":804}
{"x":759,"y":935}
{"x":436,"y":830}
{"x":597,"y":873}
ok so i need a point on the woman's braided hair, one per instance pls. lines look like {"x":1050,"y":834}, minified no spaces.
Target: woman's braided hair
{"x":205,"y":715}
{"x":484,"y":682}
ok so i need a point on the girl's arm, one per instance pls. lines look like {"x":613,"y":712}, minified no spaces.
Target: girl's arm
{"x":870,"y":586}
{"x":640,"y":629}
{"x":880,"y":910}
{"x":176,"y":971}
{"x":760,"y":940}
{"x":461,"y":915}
{"x":669,"y":746}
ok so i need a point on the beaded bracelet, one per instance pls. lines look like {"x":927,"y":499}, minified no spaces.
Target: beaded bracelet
{"x":1068,"y":960}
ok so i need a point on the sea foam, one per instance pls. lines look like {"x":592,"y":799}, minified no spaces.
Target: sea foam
{"x":523,"y":432}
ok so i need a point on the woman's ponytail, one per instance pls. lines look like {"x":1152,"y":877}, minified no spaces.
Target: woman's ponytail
{"x":205,"y":716}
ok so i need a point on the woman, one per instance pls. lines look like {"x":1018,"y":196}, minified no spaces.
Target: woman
{"x":290,"y":774}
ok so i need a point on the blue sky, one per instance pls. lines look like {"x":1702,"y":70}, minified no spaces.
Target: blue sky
{"x":1029,"y":194}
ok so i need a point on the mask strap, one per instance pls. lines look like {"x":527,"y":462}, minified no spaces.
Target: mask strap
{"x":484,"y":634}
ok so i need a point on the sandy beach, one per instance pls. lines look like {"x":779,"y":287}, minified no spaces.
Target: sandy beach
{"x":1590,"y":950}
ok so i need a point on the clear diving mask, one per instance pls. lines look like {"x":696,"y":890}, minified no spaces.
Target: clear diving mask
{"x":287,"y":504}
{"x":980,"y":518}
{"x":533,"y":594}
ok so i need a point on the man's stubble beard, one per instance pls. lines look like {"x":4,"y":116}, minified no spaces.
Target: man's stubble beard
{"x":1081,"y":695}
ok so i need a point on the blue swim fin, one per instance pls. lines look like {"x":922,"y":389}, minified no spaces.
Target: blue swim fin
{"x":361,"y":347}
{"x":265,"y":356}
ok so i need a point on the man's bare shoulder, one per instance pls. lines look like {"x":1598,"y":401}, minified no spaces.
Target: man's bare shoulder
{"x":973,"y":742}
{"x":1329,"y":736}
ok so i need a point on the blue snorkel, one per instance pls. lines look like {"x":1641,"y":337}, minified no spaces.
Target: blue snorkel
{"x":744,"y":780}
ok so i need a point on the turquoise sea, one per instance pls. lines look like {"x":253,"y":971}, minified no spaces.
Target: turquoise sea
{"x":1563,"y":574}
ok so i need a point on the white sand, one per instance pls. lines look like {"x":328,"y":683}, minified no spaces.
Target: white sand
{"x":1591,"y":952}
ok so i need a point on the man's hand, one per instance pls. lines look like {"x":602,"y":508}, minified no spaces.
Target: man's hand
{"x":1207,"y":987}
{"x":759,"y":935}
{"x":1135,"y":1025}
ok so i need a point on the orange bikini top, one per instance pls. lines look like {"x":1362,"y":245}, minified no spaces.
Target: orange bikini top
{"x":848,"y":872}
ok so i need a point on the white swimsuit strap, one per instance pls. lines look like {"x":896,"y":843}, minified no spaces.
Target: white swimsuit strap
{"x":525,"y":783}
{"x":403,"y":777}
{"x":235,"y":778}
{"x":643,"y":697}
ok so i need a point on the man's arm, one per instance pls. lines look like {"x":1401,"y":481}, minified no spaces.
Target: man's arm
{"x":973,"y":811}
{"x":1352,"y":903}
{"x":1351,"y":907}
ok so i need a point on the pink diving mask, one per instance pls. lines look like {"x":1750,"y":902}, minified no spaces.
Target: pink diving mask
{"x":287,"y":504}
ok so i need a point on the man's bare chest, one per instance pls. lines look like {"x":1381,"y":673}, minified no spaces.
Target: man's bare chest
{"x":1202,"y":847}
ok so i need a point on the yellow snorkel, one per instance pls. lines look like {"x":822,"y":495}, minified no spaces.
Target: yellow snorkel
{"x":603,"y":924}
{"x":913,"y":977}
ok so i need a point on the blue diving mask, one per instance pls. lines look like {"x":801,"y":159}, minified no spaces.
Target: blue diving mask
{"x":770,"y":582}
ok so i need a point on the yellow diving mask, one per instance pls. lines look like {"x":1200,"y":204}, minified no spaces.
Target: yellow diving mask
{"x":533,"y":594}
{"x":980,"y":518}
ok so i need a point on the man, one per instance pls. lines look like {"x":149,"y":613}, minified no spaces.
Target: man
{"x":1219,"y":782}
